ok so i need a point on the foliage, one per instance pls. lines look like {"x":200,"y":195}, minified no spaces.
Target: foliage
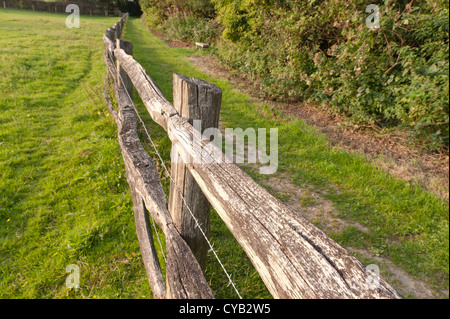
{"x":187,"y":20}
{"x":131,"y":6}
{"x":186,"y":27}
{"x":396,"y":74}
{"x":199,"y":8}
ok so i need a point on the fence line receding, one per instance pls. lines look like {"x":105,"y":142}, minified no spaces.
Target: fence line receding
{"x":293,"y":257}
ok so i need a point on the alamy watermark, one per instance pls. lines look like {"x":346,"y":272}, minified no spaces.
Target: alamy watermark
{"x":254,"y":151}
{"x":373,"y":20}
{"x":73,"y":19}
{"x":372,"y":280}
{"x":73,"y":279}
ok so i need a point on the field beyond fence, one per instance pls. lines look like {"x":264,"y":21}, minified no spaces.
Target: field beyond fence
{"x":57,"y":7}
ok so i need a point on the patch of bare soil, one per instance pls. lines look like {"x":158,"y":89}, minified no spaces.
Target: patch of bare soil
{"x":400,"y":279}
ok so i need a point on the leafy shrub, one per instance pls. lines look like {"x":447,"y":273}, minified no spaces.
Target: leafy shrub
{"x":394,"y":75}
{"x":189,"y":23}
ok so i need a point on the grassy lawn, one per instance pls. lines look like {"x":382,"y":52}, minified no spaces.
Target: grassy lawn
{"x":64,"y":198}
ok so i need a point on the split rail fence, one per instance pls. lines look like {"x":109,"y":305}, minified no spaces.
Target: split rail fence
{"x":293,"y":257}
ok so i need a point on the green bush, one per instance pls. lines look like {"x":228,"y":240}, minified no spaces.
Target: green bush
{"x":394,"y":75}
{"x":190,"y":21}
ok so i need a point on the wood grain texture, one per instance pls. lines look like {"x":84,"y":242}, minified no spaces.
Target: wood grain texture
{"x":294,"y":258}
{"x":147,"y":247}
{"x":156,"y":103}
{"x":122,"y":77}
{"x":109,"y":40}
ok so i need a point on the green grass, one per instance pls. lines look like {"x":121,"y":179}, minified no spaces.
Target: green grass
{"x":64,"y":198}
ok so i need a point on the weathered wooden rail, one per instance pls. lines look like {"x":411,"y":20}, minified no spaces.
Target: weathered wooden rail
{"x":294,"y":258}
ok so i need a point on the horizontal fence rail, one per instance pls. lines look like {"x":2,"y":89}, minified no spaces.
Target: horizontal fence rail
{"x":294,"y":258}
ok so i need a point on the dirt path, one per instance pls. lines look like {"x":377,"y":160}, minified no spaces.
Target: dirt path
{"x":322,"y":213}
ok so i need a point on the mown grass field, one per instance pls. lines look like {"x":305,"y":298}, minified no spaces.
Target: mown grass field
{"x":64,"y":198}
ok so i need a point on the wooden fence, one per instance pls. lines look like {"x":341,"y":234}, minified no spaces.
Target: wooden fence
{"x":294,"y":258}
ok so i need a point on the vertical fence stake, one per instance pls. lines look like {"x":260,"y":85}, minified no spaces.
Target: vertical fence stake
{"x":195,"y":100}
{"x":123,"y":80}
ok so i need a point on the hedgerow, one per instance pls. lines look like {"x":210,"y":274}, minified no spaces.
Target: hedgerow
{"x":393,"y":75}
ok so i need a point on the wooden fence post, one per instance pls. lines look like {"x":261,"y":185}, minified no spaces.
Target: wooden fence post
{"x":195,"y":100}
{"x":122,"y":77}
{"x":118,"y":30}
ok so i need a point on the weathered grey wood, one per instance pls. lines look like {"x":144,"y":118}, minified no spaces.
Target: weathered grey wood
{"x":195,"y":100}
{"x":118,"y":29}
{"x":294,"y":258}
{"x":110,"y":34}
{"x":183,"y":272}
{"x":110,"y":44}
{"x":144,"y":182}
{"x":148,"y":251}
{"x":156,"y":103}
{"x":109,"y":40}
{"x":122,"y":77}
{"x":201,"y":45}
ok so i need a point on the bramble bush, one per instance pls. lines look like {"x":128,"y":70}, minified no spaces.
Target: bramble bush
{"x":394,"y":76}
{"x":188,"y":21}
